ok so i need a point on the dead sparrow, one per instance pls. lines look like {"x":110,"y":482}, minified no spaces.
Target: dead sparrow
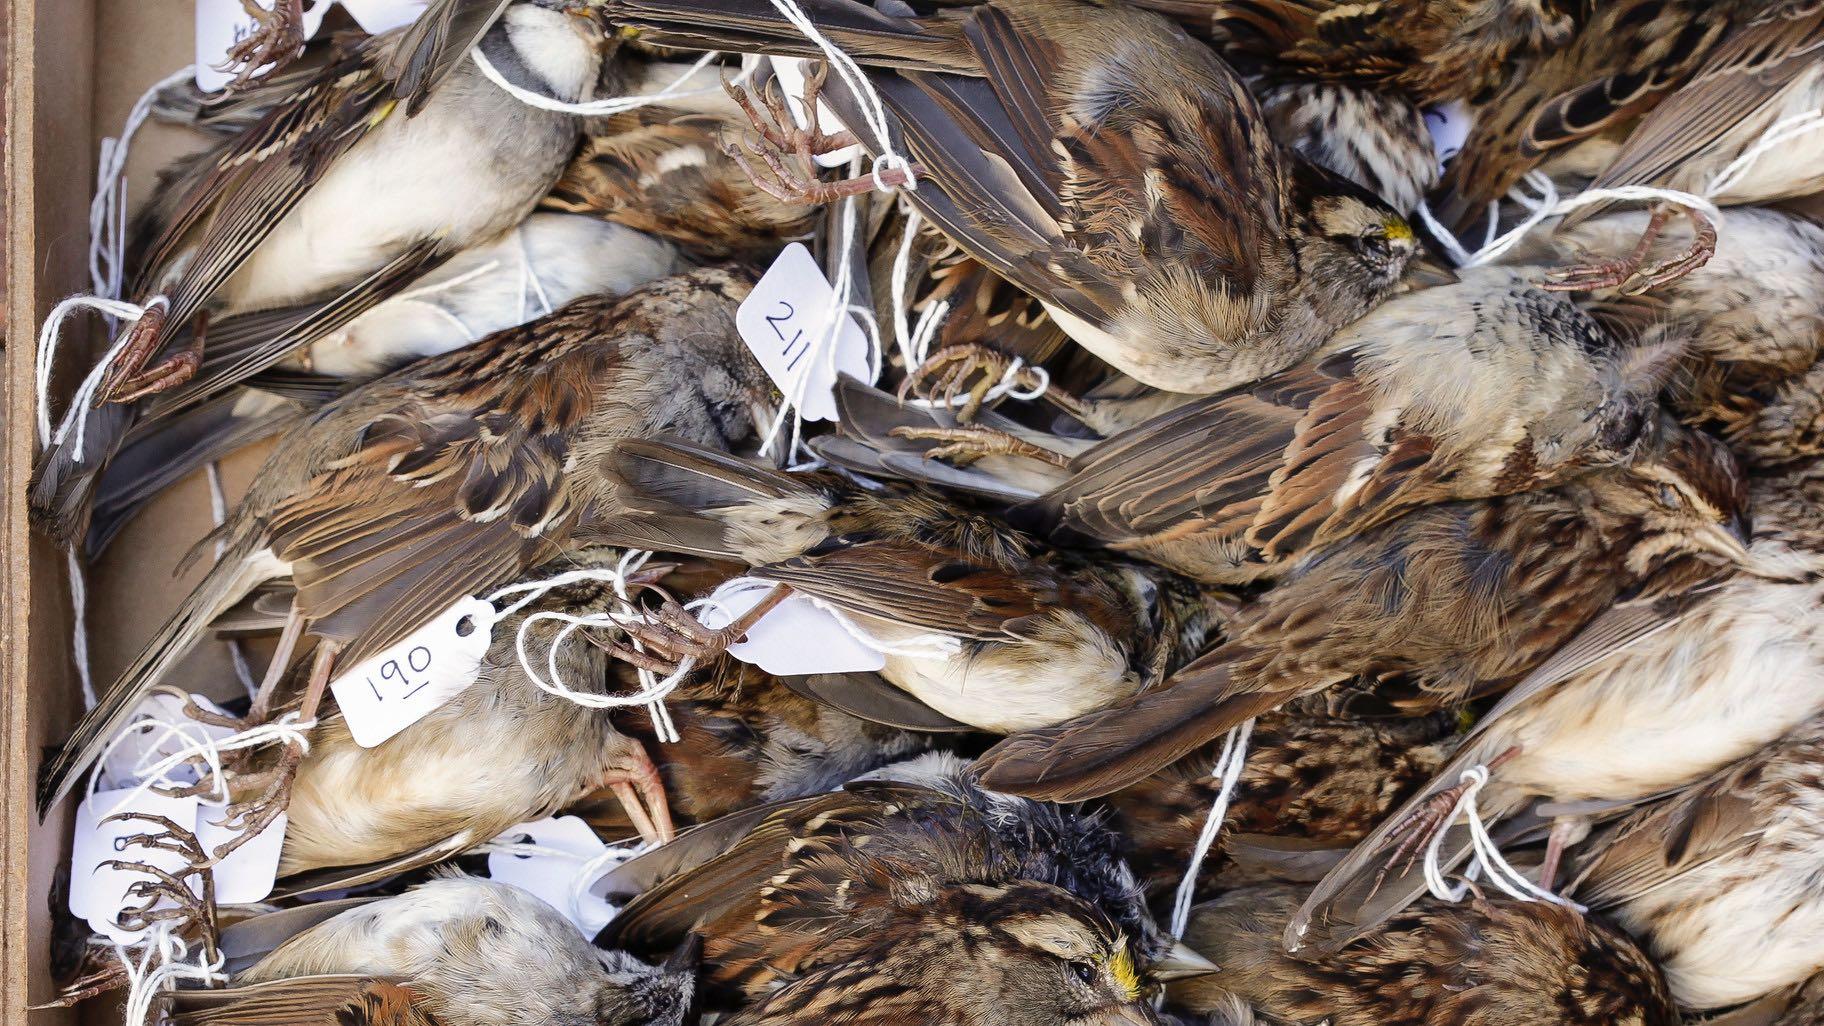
{"x":1433,"y":51}
{"x":1411,"y":405}
{"x":1099,"y":158}
{"x":1310,"y":782}
{"x":546,"y":262}
{"x":910,"y":897}
{"x":1477,"y":963}
{"x":1720,"y":882}
{"x":328,"y":194}
{"x":663,"y":172}
{"x":1650,"y":697}
{"x":1756,"y":313}
{"x":1464,"y":597}
{"x":908,"y":566}
{"x":457,"y":474}
{"x":464,"y":952}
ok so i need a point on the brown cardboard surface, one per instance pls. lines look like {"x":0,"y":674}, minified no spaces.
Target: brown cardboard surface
{"x":74,"y":70}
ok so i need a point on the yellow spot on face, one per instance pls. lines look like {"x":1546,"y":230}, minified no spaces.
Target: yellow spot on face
{"x":1127,"y":977}
{"x":1398,"y":230}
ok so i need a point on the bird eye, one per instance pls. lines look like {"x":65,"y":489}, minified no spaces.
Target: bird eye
{"x":1669,"y":497}
{"x":1085,"y":971}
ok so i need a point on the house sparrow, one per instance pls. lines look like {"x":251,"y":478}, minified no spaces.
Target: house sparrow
{"x":546,"y":262}
{"x":1720,"y":882}
{"x":663,"y":172}
{"x":1478,"y":963}
{"x":1464,"y":597}
{"x":908,"y":566}
{"x":456,"y":474}
{"x":329,"y":193}
{"x":1649,"y":698}
{"x":460,"y":776}
{"x":1100,"y":159}
{"x":1413,"y":404}
{"x":1309,"y":780}
{"x":463,"y":952}
{"x":912,"y":896}
{"x":1431,"y":51}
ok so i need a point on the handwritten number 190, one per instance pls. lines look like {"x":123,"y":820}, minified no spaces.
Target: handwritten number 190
{"x":795,"y":342}
{"x":418,"y":660}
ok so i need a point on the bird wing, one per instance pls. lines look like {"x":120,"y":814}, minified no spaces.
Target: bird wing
{"x":340,"y":1000}
{"x":432,"y":46}
{"x":1714,"y":820}
{"x":256,"y":180}
{"x":1744,"y":73}
{"x":456,"y":485}
{"x":869,"y":696}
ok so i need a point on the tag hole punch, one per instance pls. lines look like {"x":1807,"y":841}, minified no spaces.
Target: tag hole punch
{"x":522,"y":839}
{"x":465,"y":626}
{"x":120,"y":844}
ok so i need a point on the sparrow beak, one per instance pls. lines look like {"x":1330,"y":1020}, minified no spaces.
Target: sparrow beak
{"x":1426,"y":273}
{"x":1182,"y":963}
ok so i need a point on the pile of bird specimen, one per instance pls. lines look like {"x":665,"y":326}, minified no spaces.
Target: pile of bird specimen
{"x":1075,"y":512}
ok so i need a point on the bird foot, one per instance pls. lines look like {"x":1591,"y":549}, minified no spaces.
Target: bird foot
{"x":1632,"y":274}
{"x":277,"y":41}
{"x":969,"y":370}
{"x":194,"y":906}
{"x":642,"y":794}
{"x":964,"y":445}
{"x":781,"y":137}
{"x":132,"y":378}
{"x":247,"y":819}
{"x":671,"y":635}
{"x":99,"y":975}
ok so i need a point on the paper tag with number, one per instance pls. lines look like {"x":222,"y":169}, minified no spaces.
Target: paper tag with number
{"x":396,"y":688}
{"x":553,"y":877}
{"x":248,"y":873}
{"x":98,"y":893}
{"x":220,"y":24}
{"x":797,"y":637}
{"x":1450,"y":125}
{"x":785,"y":321}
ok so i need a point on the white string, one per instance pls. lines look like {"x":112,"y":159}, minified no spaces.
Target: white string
{"x":528,"y":278}
{"x":79,"y":628}
{"x":1007,"y":387}
{"x":653,"y":690}
{"x":108,"y":210}
{"x":1782,"y":132}
{"x":873,"y":111}
{"x":902,"y":270}
{"x":1227,"y":771}
{"x":145,"y":981}
{"x":603,"y":107}
{"x":288,"y":729}
{"x":1488,"y":858}
{"x":49,"y":336}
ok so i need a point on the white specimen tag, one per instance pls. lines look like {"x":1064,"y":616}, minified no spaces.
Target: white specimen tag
{"x":553,"y":877}
{"x":248,"y":873}
{"x":98,"y":893}
{"x":166,"y":730}
{"x":220,"y":24}
{"x":785,"y":321}
{"x":396,"y":688}
{"x":1450,"y":125}
{"x":797,"y":637}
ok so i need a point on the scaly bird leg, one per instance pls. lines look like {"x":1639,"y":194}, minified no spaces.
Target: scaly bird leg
{"x":277,"y":41}
{"x":1415,"y":832}
{"x":124,"y":385}
{"x":636,"y":782}
{"x":972,"y":371}
{"x":673,"y":635}
{"x":1631,"y":273}
{"x":964,"y":445}
{"x":781,"y":136}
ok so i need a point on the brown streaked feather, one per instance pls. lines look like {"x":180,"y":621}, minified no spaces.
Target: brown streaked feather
{"x":304,"y":1001}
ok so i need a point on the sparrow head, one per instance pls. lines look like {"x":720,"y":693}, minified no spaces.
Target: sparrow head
{"x":1369,"y":243}
{"x":1692,"y":495}
{"x":1051,"y":957}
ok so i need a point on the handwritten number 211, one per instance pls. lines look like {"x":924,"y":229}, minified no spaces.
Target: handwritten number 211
{"x":796,"y":342}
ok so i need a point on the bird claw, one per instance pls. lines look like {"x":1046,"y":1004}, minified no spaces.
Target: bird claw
{"x":277,"y":41}
{"x":781,"y":135}
{"x":641,"y":791}
{"x":962,"y":446}
{"x":1632,"y":274}
{"x":970,"y":370}
{"x":251,"y":817}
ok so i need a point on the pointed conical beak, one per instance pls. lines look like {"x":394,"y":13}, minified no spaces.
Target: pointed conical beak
{"x":1181,"y":963}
